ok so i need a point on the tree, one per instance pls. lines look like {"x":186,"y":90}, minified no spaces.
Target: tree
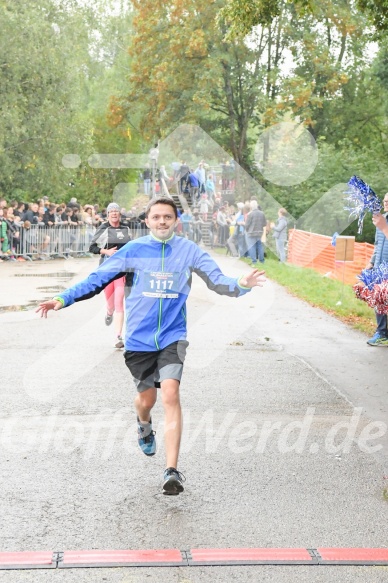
{"x":244,"y":15}
{"x":184,"y":71}
{"x":326,"y":49}
{"x":61,"y":65}
{"x":40,"y":78}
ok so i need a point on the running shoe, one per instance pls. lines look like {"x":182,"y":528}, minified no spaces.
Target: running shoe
{"x":172,"y":485}
{"x":147,"y":444}
{"x":378,"y":340}
{"x":108,"y":319}
{"x":119,"y":342}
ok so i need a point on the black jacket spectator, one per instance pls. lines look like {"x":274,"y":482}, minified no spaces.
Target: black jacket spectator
{"x":67,"y":217}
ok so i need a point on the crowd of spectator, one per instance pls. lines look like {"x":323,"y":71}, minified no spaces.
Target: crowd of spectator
{"x":192,"y":182}
{"x":241,"y":228}
{"x":43,"y":229}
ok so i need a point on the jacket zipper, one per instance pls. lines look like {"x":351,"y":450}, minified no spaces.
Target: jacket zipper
{"x":160,"y":303}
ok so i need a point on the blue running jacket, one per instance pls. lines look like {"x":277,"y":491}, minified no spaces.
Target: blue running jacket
{"x":156,"y":307}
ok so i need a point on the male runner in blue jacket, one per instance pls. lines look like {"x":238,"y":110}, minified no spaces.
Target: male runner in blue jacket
{"x":155,"y":342}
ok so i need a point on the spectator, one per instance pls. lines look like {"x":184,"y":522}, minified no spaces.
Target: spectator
{"x":13,"y":231}
{"x":210,"y":187}
{"x":380,"y":255}
{"x":50,"y":217}
{"x":77,"y":214}
{"x":141,"y":226}
{"x":198,"y":225}
{"x":4,"y":241}
{"x":254,"y":226}
{"x":217,"y":204}
{"x":67,"y":236}
{"x":201,"y":177}
{"x":225,"y":168}
{"x":223,"y":226}
{"x":13,"y":205}
{"x":232,"y":174}
{"x":239,"y":230}
{"x":163,"y":175}
{"x":147,"y":180}
{"x":187,"y":221}
{"x":67,"y":217}
{"x":90,"y":222}
{"x":73,"y":203}
{"x":17,"y":238}
{"x":20,"y":211}
{"x":204,"y":206}
{"x":41,"y":213}
{"x":279,"y":230}
{"x":45,"y":203}
{"x":184,"y":172}
{"x":30,"y":239}
{"x":59,"y":212}
{"x":31,"y":214}
{"x":193,"y":184}
{"x":176,"y":166}
{"x":133,"y":223}
{"x":43,"y":239}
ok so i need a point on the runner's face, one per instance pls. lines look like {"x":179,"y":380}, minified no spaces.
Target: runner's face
{"x":385,"y":203}
{"x":114,"y":217}
{"x":161,"y":221}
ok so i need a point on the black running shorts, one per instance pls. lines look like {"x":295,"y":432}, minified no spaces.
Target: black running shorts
{"x":149,"y":369}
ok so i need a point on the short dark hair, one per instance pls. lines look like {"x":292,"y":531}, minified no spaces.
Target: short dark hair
{"x":161,"y":200}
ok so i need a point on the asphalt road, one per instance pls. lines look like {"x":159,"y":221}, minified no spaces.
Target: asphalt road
{"x":285,"y":438}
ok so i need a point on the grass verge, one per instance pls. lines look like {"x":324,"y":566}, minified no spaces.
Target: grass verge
{"x":328,"y":294}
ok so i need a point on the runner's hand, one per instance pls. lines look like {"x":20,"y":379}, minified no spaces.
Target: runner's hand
{"x":253,"y":279}
{"x":110,"y":251}
{"x":45,"y":307}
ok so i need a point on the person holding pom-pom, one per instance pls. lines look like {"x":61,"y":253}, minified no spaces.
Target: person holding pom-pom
{"x":380,"y":255}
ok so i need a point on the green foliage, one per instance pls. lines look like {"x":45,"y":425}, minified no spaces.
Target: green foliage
{"x":39,"y":120}
{"x":335,"y":166}
{"x":77,"y":77}
{"x":377,"y":11}
{"x":113,"y":131}
{"x":61,"y":65}
{"x":183,"y":71}
{"x":243,"y":15}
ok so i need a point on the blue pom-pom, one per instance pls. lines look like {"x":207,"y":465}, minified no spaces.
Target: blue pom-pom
{"x":362,"y":199}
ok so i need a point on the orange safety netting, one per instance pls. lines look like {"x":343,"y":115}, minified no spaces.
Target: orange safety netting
{"x":316,"y":252}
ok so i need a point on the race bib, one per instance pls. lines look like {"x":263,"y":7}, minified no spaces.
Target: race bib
{"x":161,"y":284}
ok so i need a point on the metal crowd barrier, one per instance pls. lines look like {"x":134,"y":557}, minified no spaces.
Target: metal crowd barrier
{"x":65,"y":241}
{"x":41,"y":242}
